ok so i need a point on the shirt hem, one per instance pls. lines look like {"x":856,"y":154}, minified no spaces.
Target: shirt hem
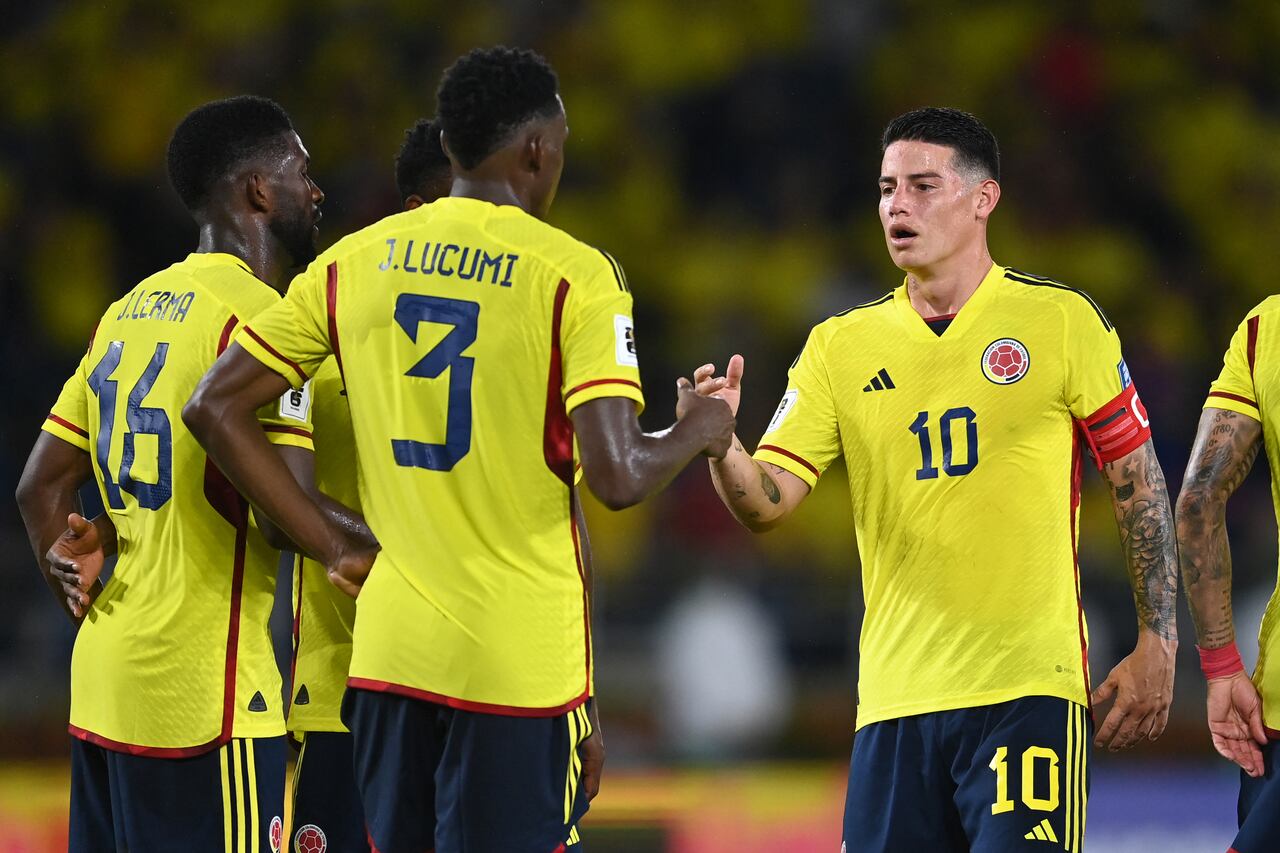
{"x":467,"y":704}
{"x":975,"y":700}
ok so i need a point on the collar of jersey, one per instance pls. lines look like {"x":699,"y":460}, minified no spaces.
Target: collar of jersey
{"x":213,"y":259}
{"x":964,"y":318}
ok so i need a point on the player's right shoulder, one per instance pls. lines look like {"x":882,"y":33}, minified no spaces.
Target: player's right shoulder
{"x":1267,"y":307}
{"x":870,"y":312}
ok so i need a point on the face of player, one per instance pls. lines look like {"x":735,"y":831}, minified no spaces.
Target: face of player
{"x":554,"y":132}
{"x":929,"y":211}
{"x":296,"y":215}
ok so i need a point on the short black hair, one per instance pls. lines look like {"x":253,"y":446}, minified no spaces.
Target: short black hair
{"x":421,"y":158}
{"x":489,"y":93}
{"x":218,"y":136}
{"x":975,"y":146}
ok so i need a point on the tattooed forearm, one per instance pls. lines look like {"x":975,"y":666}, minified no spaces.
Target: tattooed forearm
{"x":1226,"y":445}
{"x":1145,"y":518}
{"x":771,"y":490}
{"x":750,"y":489}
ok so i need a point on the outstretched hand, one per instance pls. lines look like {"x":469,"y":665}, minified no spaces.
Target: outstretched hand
{"x":727,"y":387}
{"x":1235,"y":721}
{"x":76,"y":559}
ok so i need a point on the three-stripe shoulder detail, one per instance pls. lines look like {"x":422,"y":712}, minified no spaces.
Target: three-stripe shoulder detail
{"x":1039,"y":281}
{"x":618,"y":274}
{"x":874,"y":302}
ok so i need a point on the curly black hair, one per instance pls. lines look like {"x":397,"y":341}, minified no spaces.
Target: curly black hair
{"x":489,"y":93}
{"x":421,"y":159}
{"x":975,"y":146}
{"x":218,"y":136}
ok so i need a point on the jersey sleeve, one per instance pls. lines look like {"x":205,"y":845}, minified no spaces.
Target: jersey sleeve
{"x":292,"y":337}
{"x":1233,"y":389}
{"x":69,"y":417}
{"x":804,"y":437}
{"x":597,"y":339}
{"x":1099,"y":390}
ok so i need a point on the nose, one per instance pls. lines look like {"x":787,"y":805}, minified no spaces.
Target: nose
{"x":896,"y":203}
{"x":317,"y":194}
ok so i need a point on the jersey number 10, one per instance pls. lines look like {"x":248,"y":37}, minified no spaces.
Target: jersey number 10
{"x":951,"y":465}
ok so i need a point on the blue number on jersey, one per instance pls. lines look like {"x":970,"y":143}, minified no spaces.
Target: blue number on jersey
{"x":141,"y":420}
{"x":412,"y":310}
{"x":920,"y":428}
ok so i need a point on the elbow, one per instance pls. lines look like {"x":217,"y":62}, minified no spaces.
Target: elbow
{"x":1193,"y":505}
{"x":198,"y":414}
{"x":616,"y":488}
{"x":27,"y":494}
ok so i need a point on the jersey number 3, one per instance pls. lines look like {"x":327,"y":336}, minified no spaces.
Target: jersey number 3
{"x":411,"y":311}
{"x":141,"y":420}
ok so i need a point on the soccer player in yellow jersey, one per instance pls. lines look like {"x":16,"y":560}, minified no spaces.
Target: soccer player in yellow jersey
{"x":1240,"y":418}
{"x":476,"y":343}
{"x":177,"y":724}
{"x":964,"y":403}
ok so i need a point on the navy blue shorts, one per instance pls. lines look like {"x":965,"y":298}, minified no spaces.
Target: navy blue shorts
{"x":433,"y":777}
{"x":1259,"y":807}
{"x":327,"y":815}
{"x":230,"y":798}
{"x":994,"y":778}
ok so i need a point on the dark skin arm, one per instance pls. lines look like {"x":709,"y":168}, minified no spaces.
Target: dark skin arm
{"x":1226,"y":445}
{"x":46,"y":497}
{"x":1142,"y":683}
{"x":222,"y":415}
{"x":623,"y":465}
{"x":591,"y":749}
{"x":303,"y":465}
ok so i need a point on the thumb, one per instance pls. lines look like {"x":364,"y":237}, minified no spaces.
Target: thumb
{"x":79,"y":524}
{"x":1256,"y":730}
{"x":1104,"y":691}
{"x":734,"y":371}
{"x":683,"y":385}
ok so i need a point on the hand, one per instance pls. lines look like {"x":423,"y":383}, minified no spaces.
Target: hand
{"x":712,"y":419}
{"x":727,"y":387}
{"x":1142,"y":684}
{"x":76,"y":559}
{"x":350,"y":568}
{"x":591,"y":751}
{"x":1235,"y":721}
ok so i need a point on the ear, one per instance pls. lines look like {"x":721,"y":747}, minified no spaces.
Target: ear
{"x":987,"y":197}
{"x":414,"y":200}
{"x":533,"y":151}
{"x":258,"y":192}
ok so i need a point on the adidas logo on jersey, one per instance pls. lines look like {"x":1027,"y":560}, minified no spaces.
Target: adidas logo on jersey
{"x":1042,"y":832}
{"x":257,"y":703}
{"x":880,"y":382}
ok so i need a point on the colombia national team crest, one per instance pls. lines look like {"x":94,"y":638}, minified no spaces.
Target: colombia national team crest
{"x":1005,"y":361}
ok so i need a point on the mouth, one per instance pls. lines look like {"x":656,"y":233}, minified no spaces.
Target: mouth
{"x":900,"y":236}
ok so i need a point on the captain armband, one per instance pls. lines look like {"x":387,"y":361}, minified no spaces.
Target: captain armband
{"x":1118,"y":428}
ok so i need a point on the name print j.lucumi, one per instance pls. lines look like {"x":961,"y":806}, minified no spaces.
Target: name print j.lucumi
{"x":468,"y":263}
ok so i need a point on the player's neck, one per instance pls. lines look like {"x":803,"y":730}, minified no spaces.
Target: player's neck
{"x":492,"y":190}
{"x":944,"y":288}
{"x":257,"y":247}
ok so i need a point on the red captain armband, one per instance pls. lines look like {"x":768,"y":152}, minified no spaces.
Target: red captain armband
{"x":1118,"y":428}
{"x":1215,"y":663}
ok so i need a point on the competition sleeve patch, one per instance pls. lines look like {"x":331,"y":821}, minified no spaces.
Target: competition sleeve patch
{"x":1118,"y":428}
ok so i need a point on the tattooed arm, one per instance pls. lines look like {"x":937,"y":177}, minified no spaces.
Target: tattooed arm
{"x":759,"y":495}
{"x":1142,"y":683}
{"x":1225,"y":447}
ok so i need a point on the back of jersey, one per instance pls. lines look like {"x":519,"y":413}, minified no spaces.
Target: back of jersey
{"x":466,"y":333}
{"x":174,"y":657}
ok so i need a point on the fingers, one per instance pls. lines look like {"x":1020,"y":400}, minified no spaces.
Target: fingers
{"x":1104,"y":691}
{"x":1253,"y":720}
{"x":1243,"y":753}
{"x":683,"y":385}
{"x":343,"y":584}
{"x":1111,"y":726}
{"x":703,"y":373}
{"x":733,"y":373}
{"x":1162,"y":720}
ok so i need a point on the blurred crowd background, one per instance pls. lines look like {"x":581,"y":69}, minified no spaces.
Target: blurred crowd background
{"x":726,"y":153}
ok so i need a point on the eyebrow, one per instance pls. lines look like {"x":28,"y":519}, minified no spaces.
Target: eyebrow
{"x":912,"y":177}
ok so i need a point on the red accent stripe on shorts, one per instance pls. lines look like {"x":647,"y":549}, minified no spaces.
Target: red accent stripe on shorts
{"x":787,"y":453}
{"x":463,"y":704}
{"x":269,"y":348}
{"x":68,"y":424}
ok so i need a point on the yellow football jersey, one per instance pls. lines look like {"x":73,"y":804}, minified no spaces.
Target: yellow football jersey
{"x":323,"y":615}
{"x":964,"y":457}
{"x":1250,"y":384}
{"x":465,"y":332}
{"x":174,"y":657}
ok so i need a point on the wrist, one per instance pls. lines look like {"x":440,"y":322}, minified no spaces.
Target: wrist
{"x":1220,"y":662}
